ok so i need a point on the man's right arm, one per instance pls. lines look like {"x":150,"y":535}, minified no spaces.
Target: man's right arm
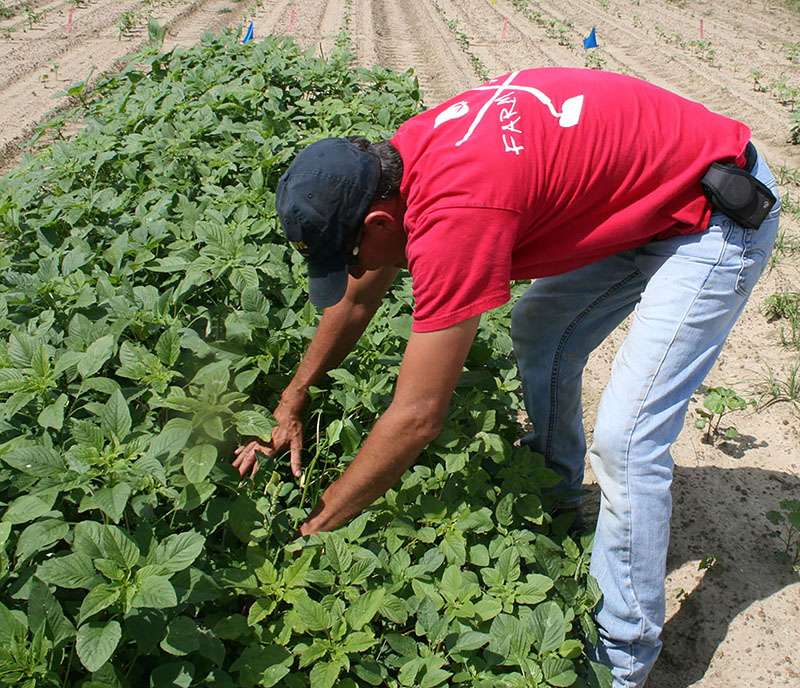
{"x":339,"y":329}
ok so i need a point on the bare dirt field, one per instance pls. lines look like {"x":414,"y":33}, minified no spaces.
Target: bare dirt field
{"x":733,"y":623}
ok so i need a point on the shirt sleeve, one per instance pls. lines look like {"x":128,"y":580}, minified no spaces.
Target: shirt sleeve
{"x":460,"y":264}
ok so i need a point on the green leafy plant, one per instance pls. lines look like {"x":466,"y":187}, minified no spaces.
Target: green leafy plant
{"x":127,"y":22}
{"x":718,"y":402}
{"x":5,"y":12}
{"x":150,"y":315}
{"x":33,"y":16}
{"x":774,"y":389}
{"x":464,"y":42}
{"x":785,"y":306}
{"x":788,"y":521}
{"x":594,"y":60}
{"x":757,"y":75}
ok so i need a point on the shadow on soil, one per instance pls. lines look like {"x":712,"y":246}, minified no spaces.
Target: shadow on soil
{"x":720,"y":512}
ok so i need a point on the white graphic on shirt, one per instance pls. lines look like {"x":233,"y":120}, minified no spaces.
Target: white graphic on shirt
{"x":505,"y":95}
{"x":455,"y":111}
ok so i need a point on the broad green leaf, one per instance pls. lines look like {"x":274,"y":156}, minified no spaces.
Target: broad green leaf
{"x":361,"y":641}
{"x":110,"y":500}
{"x":11,"y":625}
{"x":469,"y":641}
{"x":29,"y":507}
{"x":434,"y":677}
{"x":548,"y":626}
{"x":182,"y":637}
{"x":39,"y":537}
{"x":324,"y":674}
{"x":172,"y":438}
{"x":96,"y":643}
{"x":45,"y":610}
{"x":252,"y":423}
{"x":52,"y":416}
{"x":116,"y":417}
{"x":198,"y":462}
{"x":311,"y":614}
{"x":120,"y":548}
{"x":179,"y":550}
{"x":37,"y":460}
{"x":71,"y":571}
{"x":155,"y":33}
{"x":97,"y":599}
{"x":508,"y":564}
{"x":96,"y":355}
{"x":337,"y":552}
{"x":168,"y":347}
{"x":559,"y":672}
{"x":154,"y":592}
{"x":364,"y":608}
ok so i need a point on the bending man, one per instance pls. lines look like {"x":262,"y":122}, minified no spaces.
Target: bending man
{"x":590,"y":183}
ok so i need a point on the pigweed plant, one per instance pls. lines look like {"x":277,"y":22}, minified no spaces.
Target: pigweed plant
{"x":150,"y":315}
{"x":787,"y":521}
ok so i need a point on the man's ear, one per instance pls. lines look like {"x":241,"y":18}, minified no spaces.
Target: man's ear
{"x":379,"y":220}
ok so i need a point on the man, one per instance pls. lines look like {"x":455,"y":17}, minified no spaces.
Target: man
{"x":590,"y":183}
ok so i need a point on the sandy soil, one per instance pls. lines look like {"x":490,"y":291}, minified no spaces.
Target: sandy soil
{"x":737,"y":623}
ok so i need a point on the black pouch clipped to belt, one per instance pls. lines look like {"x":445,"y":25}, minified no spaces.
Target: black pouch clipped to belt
{"x":738,"y":194}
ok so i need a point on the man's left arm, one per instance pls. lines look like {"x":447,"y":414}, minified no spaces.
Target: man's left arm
{"x":428,"y":375}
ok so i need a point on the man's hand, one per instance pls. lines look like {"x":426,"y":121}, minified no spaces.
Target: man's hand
{"x":338,"y":331}
{"x":429,"y":372}
{"x":287,"y":435}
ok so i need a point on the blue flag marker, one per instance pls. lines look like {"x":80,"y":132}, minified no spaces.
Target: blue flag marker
{"x":590,"y":41}
{"x":249,"y":35}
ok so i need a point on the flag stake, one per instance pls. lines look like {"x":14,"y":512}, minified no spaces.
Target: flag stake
{"x":69,"y":20}
{"x":249,"y":35}
{"x":291,"y":21}
{"x":590,"y":41}
{"x":701,"y":30}
{"x":505,"y":26}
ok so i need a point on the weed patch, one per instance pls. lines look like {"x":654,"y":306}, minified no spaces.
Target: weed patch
{"x":150,"y":315}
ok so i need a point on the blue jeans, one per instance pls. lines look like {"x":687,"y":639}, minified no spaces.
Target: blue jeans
{"x":685,"y":292}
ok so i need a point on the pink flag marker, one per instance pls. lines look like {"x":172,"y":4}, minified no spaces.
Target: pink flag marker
{"x":505,"y":26}
{"x":69,"y":20}
{"x":701,"y":29}
{"x":291,"y":21}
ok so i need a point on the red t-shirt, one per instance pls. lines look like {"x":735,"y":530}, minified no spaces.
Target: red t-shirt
{"x":543,"y":171}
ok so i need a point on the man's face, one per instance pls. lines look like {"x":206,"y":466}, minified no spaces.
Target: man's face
{"x":383,"y":239}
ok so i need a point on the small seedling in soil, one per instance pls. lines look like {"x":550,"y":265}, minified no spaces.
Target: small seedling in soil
{"x":127,"y":21}
{"x":774,"y":390}
{"x":34,"y":16}
{"x":788,"y":521}
{"x":785,"y":306}
{"x":594,"y":60}
{"x":5,"y":12}
{"x":756,"y":75}
{"x":711,"y":562}
{"x":718,"y":403}
{"x":786,"y":175}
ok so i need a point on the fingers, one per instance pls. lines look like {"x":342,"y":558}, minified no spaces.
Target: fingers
{"x":295,"y":459}
{"x":246,"y":460}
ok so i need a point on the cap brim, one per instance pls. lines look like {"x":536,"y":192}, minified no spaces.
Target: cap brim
{"x":327,"y":282}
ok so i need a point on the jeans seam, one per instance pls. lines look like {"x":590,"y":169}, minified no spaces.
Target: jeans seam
{"x":636,"y":419}
{"x":560,"y":348}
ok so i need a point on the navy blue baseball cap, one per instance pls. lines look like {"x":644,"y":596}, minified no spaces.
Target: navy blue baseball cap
{"x":322,"y":200}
